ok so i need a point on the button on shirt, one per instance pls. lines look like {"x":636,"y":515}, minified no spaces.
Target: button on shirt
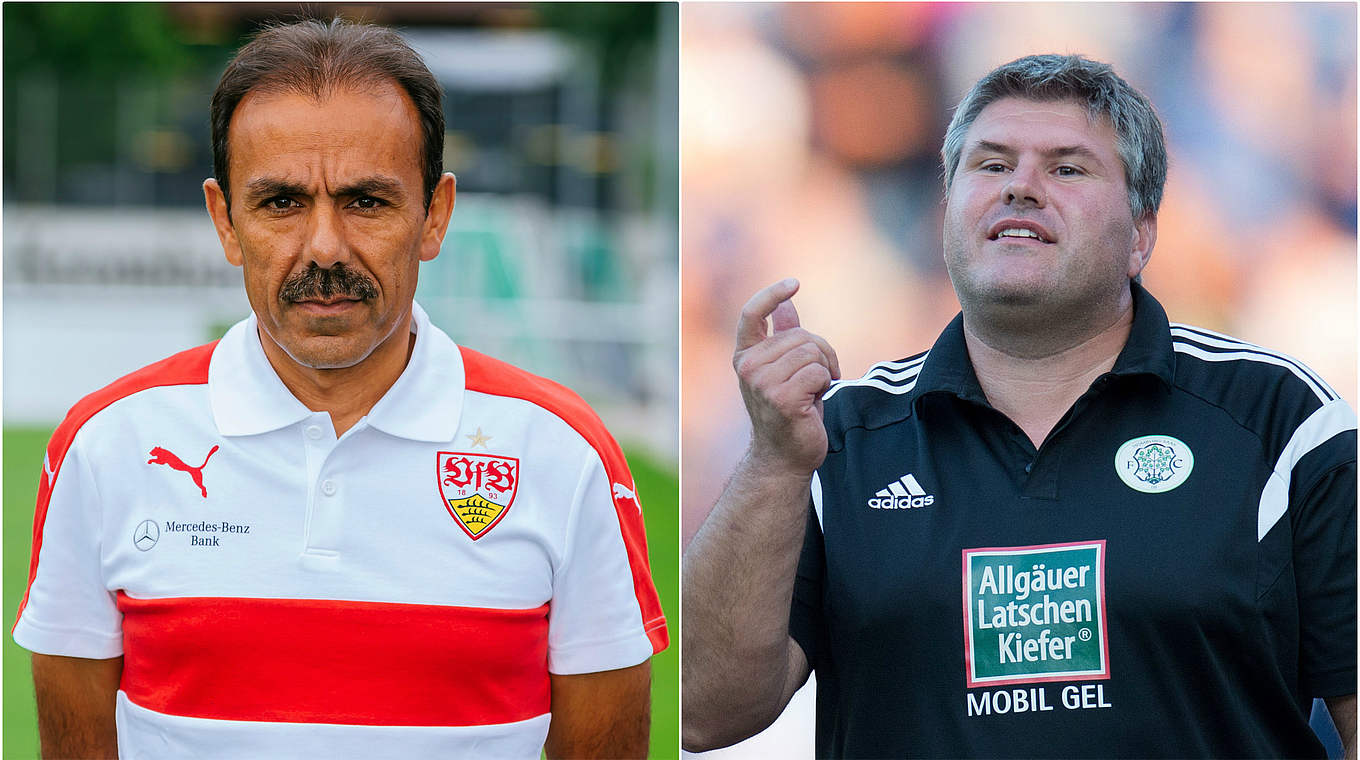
{"x":402,"y":590}
{"x":1171,"y":573}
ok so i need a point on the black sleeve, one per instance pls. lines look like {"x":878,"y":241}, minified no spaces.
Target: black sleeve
{"x":1324,"y":568}
{"x":805,"y":614}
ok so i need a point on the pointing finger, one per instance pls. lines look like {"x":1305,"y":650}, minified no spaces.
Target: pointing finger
{"x":751,"y":328}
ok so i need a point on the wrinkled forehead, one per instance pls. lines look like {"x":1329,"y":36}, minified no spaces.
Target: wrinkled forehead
{"x":1015,"y":125}
{"x":377,"y":127}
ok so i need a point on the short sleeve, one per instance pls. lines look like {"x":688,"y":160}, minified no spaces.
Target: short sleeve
{"x":1324,"y":530}
{"x":604,"y":612}
{"x":67,"y":609}
{"x":805,"y":613}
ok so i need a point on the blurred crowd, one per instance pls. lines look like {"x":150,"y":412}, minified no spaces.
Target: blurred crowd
{"x":810,"y":144}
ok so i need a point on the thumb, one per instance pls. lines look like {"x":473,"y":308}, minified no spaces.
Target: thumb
{"x":785,"y":317}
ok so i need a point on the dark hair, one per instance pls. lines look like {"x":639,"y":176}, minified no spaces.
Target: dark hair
{"x":316,"y":58}
{"x":1138,"y":132}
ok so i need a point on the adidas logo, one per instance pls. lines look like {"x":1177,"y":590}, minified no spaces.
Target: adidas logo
{"x":903,"y":493}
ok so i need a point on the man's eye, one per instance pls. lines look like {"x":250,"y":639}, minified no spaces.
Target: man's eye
{"x":368,"y":202}
{"x":994,"y":168}
{"x":280,"y":203}
{"x":1068,"y":171}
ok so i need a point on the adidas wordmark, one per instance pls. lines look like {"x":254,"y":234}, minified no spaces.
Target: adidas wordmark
{"x":903,"y":493}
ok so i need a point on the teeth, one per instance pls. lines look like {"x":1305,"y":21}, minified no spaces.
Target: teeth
{"x":1015,"y":232}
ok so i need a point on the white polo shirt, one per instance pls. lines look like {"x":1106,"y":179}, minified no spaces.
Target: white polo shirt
{"x":403,"y":591}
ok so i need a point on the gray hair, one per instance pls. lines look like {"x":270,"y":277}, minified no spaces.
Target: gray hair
{"x":1138,"y":132}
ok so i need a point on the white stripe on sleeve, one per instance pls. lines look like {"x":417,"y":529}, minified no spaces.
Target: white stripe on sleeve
{"x":1330,"y":418}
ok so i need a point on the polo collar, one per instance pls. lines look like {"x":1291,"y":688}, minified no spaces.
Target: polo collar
{"x":1147,"y":352}
{"x":424,"y":404}
{"x":427,"y":399}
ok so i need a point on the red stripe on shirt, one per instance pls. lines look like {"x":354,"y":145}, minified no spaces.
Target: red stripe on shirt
{"x":487,"y":375}
{"x":323,"y":661}
{"x":184,"y":368}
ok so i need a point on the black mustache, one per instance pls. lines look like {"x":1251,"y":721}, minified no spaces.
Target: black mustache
{"x":339,"y":280}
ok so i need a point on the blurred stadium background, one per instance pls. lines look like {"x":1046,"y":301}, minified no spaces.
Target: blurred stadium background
{"x":561,"y":258}
{"x":811,"y":135}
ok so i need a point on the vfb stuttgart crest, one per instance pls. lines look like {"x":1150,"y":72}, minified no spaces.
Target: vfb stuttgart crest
{"x":478,"y":489}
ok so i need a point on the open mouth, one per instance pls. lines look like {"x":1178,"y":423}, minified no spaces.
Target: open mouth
{"x":1012,"y":229}
{"x":1012,"y":232}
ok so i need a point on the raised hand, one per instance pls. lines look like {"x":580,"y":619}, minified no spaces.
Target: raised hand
{"x":783,"y":375}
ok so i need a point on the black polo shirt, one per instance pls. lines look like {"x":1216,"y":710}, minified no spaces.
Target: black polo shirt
{"x":1170,"y":574}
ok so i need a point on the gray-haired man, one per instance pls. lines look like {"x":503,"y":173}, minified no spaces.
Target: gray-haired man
{"x":1070,"y":528}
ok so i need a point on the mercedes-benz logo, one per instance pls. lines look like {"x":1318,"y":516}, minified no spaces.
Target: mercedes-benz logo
{"x":146,"y":535}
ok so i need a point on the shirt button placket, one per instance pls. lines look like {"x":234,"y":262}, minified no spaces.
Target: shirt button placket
{"x":323,"y":511}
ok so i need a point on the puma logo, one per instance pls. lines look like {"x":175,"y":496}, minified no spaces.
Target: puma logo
{"x":625,"y":494}
{"x":167,"y":457}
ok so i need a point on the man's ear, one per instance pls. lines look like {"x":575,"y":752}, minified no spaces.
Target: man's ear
{"x":216,"y":202}
{"x":1144,"y":238}
{"x":437,"y":218}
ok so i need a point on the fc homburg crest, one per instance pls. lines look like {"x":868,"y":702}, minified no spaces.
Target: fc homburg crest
{"x":478,"y":489}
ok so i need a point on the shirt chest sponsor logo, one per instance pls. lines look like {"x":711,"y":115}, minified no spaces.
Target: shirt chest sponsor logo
{"x":1154,"y":463}
{"x":146,"y":535}
{"x":478,"y":489}
{"x":207,"y":534}
{"x":1034,"y":614}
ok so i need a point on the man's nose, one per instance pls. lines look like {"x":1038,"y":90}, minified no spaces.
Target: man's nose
{"x":1025,"y":187}
{"x":326,"y":244}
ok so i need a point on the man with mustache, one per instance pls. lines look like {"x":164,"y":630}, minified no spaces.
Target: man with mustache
{"x":400,"y":547}
{"x":1069,"y":529}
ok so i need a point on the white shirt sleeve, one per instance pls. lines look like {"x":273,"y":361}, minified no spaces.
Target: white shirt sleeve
{"x":69,"y":610}
{"x":595,"y":619}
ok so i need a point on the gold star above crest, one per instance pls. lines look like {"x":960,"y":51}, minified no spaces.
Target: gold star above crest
{"x":478,"y":439}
